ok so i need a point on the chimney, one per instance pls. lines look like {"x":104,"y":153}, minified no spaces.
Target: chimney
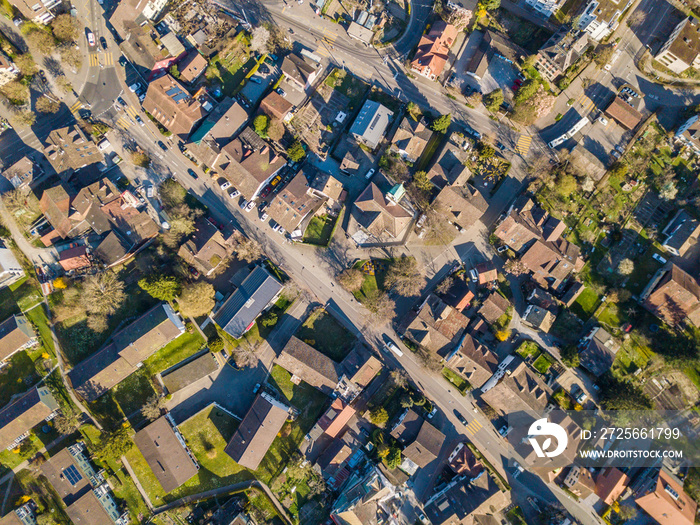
{"x":264,"y":150}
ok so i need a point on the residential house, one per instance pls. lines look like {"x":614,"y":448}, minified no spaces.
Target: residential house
{"x":463,"y":462}
{"x":300,"y":71}
{"x":359,"y":502}
{"x":360,"y":367}
{"x":579,"y":481}
{"x":407,"y":427}
{"x":610,"y":484}
{"x":493,"y":47}
{"x":493,"y":307}
{"x":545,"y":7}
{"x":526,"y":222}
{"x":360,"y":33}
{"x":426,"y":447}
{"x":521,"y":390}
{"x":125,"y":352}
{"x":333,"y":420}
{"x":543,"y":299}
{"x":275,"y":106}
{"x":674,"y":296}
{"x":682,"y":49}
{"x":551,"y":263}
{"x":379,"y":213}
{"x":69,"y":149}
{"x":172,"y":106}
{"x":24,"y":413}
{"x":475,"y":501}
{"x":689,"y":134}
{"x":206,"y":248}
{"x":16,"y":333}
{"x":224,"y":123}
{"x":411,"y":138}
{"x":335,"y":463}
{"x":82,"y":489}
{"x":436,"y":326}
{"x":135,"y":10}
{"x":10,"y":269}
{"x":681,"y":233}
{"x":665,"y":501}
{"x":75,"y":258}
{"x":329,"y":188}
{"x":307,"y":364}
{"x":461,"y":205}
{"x":8,"y":70}
{"x":248,"y":168}
{"x":599,"y":18}
{"x":433,"y":50}
{"x":22,"y":515}
{"x":597,"y":351}
{"x":573,"y":293}
{"x":561,"y":51}
{"x":192,"y":66}
{"x":190,"y":372}
{"x":141,"y":43}
{"x":172,"y":44}
{"x":371,"y":124}
{"x":255,"y":294}
{"x":166,"y":452}
{"x":538,"y":318}
{"x":473,"y":361}
{"x":487,"y":272}
{"x":626,"y":115}
{"x":450,"y":166}
{"x":39,"y":12}
{"x":295,"y":205}
{"x":21,"y":173}
{"x":257,"y":431}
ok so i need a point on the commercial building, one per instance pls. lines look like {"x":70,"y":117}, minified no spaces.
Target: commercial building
{"x":682,"y":49}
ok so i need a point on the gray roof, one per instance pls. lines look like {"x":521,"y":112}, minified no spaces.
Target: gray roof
{"x":680,"y":231}
{"x":190,"y":372}
{"x":426,"y":447}
{"x":165,"y":453}
{"x":245,"y":304}
{"x":25,"y":413}
{"x":371,"y":123}
{"x":310,"y":365}
{"x":172,"y":44}
{"x":599,"y":354}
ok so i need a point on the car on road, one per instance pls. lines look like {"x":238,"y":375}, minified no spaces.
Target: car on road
{"x":255,"y":80}
{"x":134,"y":87}
{"x":192,"y":173}
{"x":370,"y":173}
{"x":657,"y":257}
{"x":500,"y":146}
{"x":225,"y":184}
{"x":249,"y":206}
{"x":518,"y":469}
{"x":103,"y":43}
{"x":121,"y":102}
{"x":474,"y":133}
{"x":162,"y":146}
{"x":256,"y":388}
{"x":502,"y":249}
{"x":90,"y":38}
{"x":149,"y":192}
{"x":233,"y":193}
{"x":140,"y":120}
{"x":461,"y":418}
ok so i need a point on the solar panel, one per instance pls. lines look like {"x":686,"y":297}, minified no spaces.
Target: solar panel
{"x":72,"y":475}
{"x":180,"y":96}
{"x":173,"y":91}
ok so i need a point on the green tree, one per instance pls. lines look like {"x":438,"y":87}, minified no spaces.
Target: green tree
{"x":393,"y":459}
{"x":490,"y":5}
{"x":603,"y":54}
{"x":420,"y":179}
{"x":379,"y":416}
{"x":161,"y":287}
{"x":26,"y":64}
{"x":260,"y":125}
{"x":296,"y":151}
{"x":492,"y":101}
{"x":197,"y":299}
{"x":172,"y":193}
{"x":174,"y":71}
{"x":527,"y":90}
{"x":565,"y":184}
{"x":441,"y":123}
{"x":113,"y":445}
{"x":570,"y":356}
{"x":216,"y":344}
{"x":486,"y":151}
{"x":16,"y":92}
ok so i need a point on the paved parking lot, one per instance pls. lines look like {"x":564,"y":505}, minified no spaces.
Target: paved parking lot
{"x":254,"y":91}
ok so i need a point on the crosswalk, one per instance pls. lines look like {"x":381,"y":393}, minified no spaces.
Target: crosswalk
{"x":107,"y":59}
{"x":328,"y":39}
{"x":474,"y":427}
{"x":129,"y":118}
{"x":523,"y":145}
{"x":77,"y":106}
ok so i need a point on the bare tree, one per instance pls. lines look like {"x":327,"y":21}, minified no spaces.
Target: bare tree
{"x":244,"y":354}
{"x":97,"y":323}
{"x":404,"y":277}
{"x":626,"y":267}
{"x":248,"y":250}
{"x":66,"y":423}
{"x":444,"y":285}
{"x":351,"y":279}
{"x":102,"y":293}
{"x":515,"y":267}
{"x":46,"y":105}
{"x":380,"y":305}
{"x":259,"y":39}
{"x":399,"y":378}
{"x":153,"y":407}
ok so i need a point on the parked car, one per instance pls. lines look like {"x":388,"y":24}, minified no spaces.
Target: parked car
{"x":657,"y":257}
{"x":370,"y":173}
{"x":603,"y":120}
{"x":502,"y":249}
{"x":432,"y":412}
{"x":91,"y":39}
{"x":474,"y":275}
{"x":274,"y":182}
{"x":134,"y":87}
{"x":518,"y":469}
{"x":264,"y":216}
{"x":281,"y":92}
{"x":193,"y":271}
{"x":162,"y":146}
{"x":192,"y":173}
{"x":266,"y":191}
{"x":505,"y":430}
{"x":225,"y":184}
{"x":122,"y":61}
{"x":256,"y":388}
{"x":474,"y":133}
{"x":255,"y":80}
{"x":233,"y":193}
{"x":275,"y":226}
{"x":249,"y":206}
{"x":394,"y":348}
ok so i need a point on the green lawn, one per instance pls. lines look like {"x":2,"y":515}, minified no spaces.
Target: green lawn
{"x":429,"y":151}
{"x":19,"y":296}
{"x":319,"y":230}
{"x":644,"y":269}
{"x":37,"y":316}
{"x":326,"y":335}
{"x":17,"y":376}
{"x":277,"y":310}
{"x":372,"y":283}
{"x":528,"y":349}
{"x":586,"y":304}
{"x":132,"y":393}
{"x":29,"y":447}
{"x":107,"y":411}
{"x":171,"y":354}
{"x":612,"y":316}
{"x":350,"y":86}
{"x":456,"y":380}
{"x":542,"y":364}
{"x":563,"y":400}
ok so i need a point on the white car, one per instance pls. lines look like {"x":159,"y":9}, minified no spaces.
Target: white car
{"x":233,"y":193}
{"x":226,"y":184}
{"x":432,"y":412}
{"x":249,"y":206}
{"x":282,"y":231}
{"x":264,"y":216}
{"x":392,"y":346}
{"x":603,"y":120}
{"x":91,"y":39}
{"x":275,"y":226}
{"x":474,"y":275}
{"x":657,"y":257}
{"x":518,"y":469}
{"x":505,"y":430}
{"x":370,"y":173}
{"x":243,"y":204}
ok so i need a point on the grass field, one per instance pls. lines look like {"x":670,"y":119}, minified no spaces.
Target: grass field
{"x":542,"y":364}
{"x":586,"y":304}
{"x":528,"y":349}
{"x":132,"y":393}
{"x":319,"y":230}
{"x":456,"y":380}
{"x":17,"y":376}
{"x":181,"y":348}
{"x":326,"y":335}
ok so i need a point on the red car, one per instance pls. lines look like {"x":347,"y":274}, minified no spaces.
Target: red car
{"x":266,"y":191}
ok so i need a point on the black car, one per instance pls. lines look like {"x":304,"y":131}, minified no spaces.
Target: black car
{"x":162,"y":146}
{"x":461,"y":418}
{"x":192,"y":173}
{"x":122,"y":61}
{"x":103,"y":43}
{"x":121,"y":102}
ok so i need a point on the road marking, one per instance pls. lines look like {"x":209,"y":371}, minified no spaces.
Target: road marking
{"x":322,"y":51}
{"x":474,"y":427}
{"x":589,"y":107}
{"x":329,"y":37}
{"x":76,"y":107}
{"x":109,"y":60}
{"x":123,"y":123}
{"x":523,"y":145}
{"x":131,"y":111}
{"x":94,"y":59}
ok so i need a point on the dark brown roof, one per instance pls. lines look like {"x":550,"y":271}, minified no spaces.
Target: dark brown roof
{"x":310,"y":365}
{"x":190,"y":372}
{"x":69,"y":490}
{"x":407,"y":428}
{"x":676,"y":298}
{"x":166,"y":454}
{"x":360,"y":366}
{"x":25,"y":413}
{"x":88,"y":511}
{"x":426,"y":447}
{"x":474,"y":362}
{"x":275,"y":105}
{"x":686,"y":45}
{"x":295,"y":202}
{"x":494,"y":307}
{"x":436,"y":326}
{"x":15,"y":333}
{"x":463,"y":205}
{"x":625,"y":114}
{"x":246,"y":168}
{"x":206,"y":248}
{"x":521,"y":390}
{"x":257,"y":431}
{"x":298,"y":69}
{"x":74,"y":258}
{"x":464,"y":462}
{"x":171,"y":104}
{"x":192,"y":66}
{"x":378,"y":214}
{"x":112,"y":249}
{"x":55,"y":205}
